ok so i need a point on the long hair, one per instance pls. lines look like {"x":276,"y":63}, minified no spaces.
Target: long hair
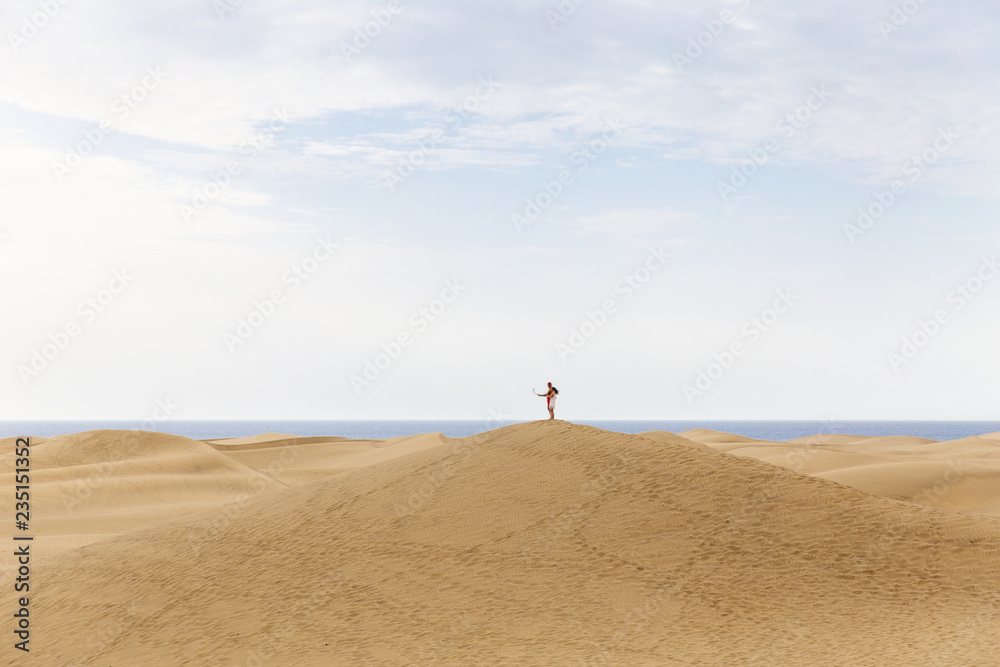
{"x":555,"y":390}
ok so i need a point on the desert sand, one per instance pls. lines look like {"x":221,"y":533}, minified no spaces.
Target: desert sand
{"x":960,"y":475}
{"x":543,"y":543}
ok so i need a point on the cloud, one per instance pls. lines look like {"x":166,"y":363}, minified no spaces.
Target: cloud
{"x":225,"y":77}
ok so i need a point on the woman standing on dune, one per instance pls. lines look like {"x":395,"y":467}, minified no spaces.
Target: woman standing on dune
{"x":550,"y":396}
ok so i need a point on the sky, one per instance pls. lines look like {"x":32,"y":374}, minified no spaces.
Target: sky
{"x":226,"y":209}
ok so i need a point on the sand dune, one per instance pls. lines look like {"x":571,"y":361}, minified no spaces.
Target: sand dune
{"x":99,"y":483}
{"x":544,"y":543}
{"x":292,"y":460}
{"x":271,"y":439}
{"x":959,"y":475}
{"x":709,"y":437}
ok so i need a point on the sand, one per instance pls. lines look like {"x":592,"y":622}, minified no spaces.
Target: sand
{"x":959,"y":475}
{"x":544,"y":543}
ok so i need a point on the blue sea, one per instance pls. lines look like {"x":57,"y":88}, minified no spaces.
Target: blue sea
{"x":764,"y":430}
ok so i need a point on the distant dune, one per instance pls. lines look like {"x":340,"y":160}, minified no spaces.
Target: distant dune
{"x":960,"y":475}
{"x":297,"y":460}
{"x":101,"y":483}
{"x":544,"y":543}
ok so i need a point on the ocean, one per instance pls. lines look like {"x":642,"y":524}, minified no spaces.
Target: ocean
{"x":764,"y":430}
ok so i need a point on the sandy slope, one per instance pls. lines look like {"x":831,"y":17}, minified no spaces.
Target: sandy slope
{"x":91,"y":485}
{"x":959,"y":475}
{"x":543,"y":543}
{"x":293,"y":460}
